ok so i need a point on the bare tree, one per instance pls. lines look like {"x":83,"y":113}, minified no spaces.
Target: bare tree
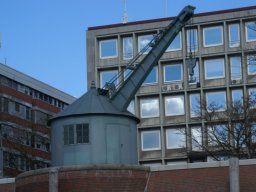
{"x":230,"y":132}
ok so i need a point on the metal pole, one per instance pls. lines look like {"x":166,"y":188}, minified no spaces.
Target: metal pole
{"x":234,"y":174}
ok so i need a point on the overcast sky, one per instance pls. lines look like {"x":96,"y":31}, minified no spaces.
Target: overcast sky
{"x":46,"y":38}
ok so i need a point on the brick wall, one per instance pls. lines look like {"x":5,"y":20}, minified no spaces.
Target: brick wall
{"x":200,"y":177}
{"x":38,"y":182}
{"x":190,"y":180}
{"x":7,"y":185}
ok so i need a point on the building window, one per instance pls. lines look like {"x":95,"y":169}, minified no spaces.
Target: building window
{"x":236,"y":71}
{"x":76,"y":134}
{"x":149,"y":108}
{"x":234,"y":35}
{"x":82,"y":133}
{"x":175,"y":138}
{"x":213,"y":36}
{"x":175,"y":44}
{"x":250,"y":30}
{"x":17,"y":107}
{"x":214,"y":68}
{"x":174,"y":105}
{"x":173,"y":72}
{"x":150,"y":140}
{"x":251,"y":63}
{"x":152,"y":77}
{"x":237,"y":97}
{"x":216,"y":101}
{"x":143,"y":41}
{"x":69,"y":135}
{"x":108,"y":48}
{"x":127,"y":48}
{"x":106,"y":76}
{"x":217,"y":135}
{"x":195,"y":78}
{"x":252,"y":96}
{"x":253,"y":130}
{"x":194,"y":105}
{"x":196,"y":138}
{"x":192,"y":45}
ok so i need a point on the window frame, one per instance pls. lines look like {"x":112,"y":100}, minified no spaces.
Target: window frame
{"x":231,"y":45}
{"x":181,"y":73}
{"x":174,"y":114}
{"x":75,"y":134}
{"x":139,"y":45}
{"x":189,"y":40}
{"x":232,"y":68}
{"x":205,"y":29}
{"x":190,"y":107}
{"x":151,"y":83}
{"x":199,"y":130}
{"x":225,"y":99}
{"x":100,"y":48}
{"x":66,"y":134}
{"x":233,"y":94}
{"x":167,"y":140}
{"x":214,"y":77}
{"x":123,"y":51}
{"x":246,"y":31}
{"x":196,"y":75}
{"x":154,"y":148}
{"x":252,"y":93}
{"x":169,"y":49}
{"x":248,"y":64}
{"x":107,"y":71}
{"x":151,"y":116}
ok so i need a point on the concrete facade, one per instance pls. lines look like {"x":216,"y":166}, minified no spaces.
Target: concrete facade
{"x":161,"y":90}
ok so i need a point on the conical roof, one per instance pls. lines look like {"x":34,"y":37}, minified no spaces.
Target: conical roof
{"x":91,"y":103}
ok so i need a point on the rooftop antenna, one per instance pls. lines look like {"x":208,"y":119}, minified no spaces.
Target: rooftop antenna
{"x":0,"y":40}
{"x":166,"y":5}
{"x":125,"y":17}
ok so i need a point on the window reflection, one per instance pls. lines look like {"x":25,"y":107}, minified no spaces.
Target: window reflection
{"x":173,"y":73}
{"x":236,"y":71}
{"x":214,"y":68}
{"x":108,"y":48}
{"x":152,"y":77}
{"x":174,"y":105}
{"x":175,"y":138}
{"x":150,"y":140}
{"x":143,"y":42}
{"x":106,"y":76}
{"x":216,"y":101}
{"x":250,"y":28}
{"x":194,"y":105}
{"x":175,"y":44}
{"x":234,"y":35}
{"x":149,"y":108}
{"x":192,"y":45}
{"x":127,"y":48}
{"x":213,"y":36}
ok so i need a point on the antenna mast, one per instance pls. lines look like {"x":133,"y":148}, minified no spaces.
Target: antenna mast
{"x":125,"y":17}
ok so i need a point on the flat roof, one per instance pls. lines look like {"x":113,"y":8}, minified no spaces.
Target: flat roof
{"x":29,"y":81}
{"x":170,"y":18}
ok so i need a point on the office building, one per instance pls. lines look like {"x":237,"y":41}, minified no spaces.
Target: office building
{"x":26,"y":104}
{"x":223,"y":43}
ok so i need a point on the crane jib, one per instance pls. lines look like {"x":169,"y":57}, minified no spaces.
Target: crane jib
{"x":121,"y":93}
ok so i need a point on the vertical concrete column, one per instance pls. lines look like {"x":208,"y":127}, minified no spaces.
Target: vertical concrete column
{"x":234,"y":174}
{"x":53,"y":180}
